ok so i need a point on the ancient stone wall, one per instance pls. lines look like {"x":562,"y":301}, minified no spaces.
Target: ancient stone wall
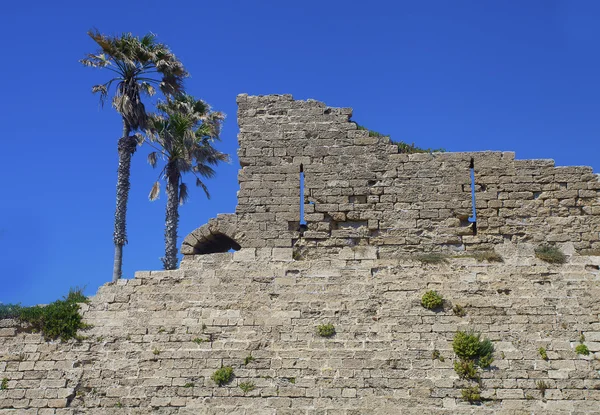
{"x":360,"y":191}
{"x":158,"y":339}
{"x":358,"y":264}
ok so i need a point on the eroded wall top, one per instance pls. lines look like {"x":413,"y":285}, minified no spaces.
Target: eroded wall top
{"x":359,"y":190}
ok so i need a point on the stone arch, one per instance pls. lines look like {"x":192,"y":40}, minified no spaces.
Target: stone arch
{"x":214,"y":237}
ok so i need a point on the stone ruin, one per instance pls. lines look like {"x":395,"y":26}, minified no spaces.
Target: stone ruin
{"x":348,"y":248}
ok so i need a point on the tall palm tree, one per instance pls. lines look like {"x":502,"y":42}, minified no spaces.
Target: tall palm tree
{"x":138,"y":65}
{"x":182,"y":133}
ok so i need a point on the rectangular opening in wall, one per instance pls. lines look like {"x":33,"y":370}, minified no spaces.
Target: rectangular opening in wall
{"x":473,"y":218}
{"x":302,"y":220}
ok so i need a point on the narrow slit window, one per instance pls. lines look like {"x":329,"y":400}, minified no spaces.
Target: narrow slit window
{"x":473,"y":218}
{"x":303,"y":225}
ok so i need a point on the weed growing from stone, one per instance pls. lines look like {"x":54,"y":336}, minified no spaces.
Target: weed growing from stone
{"x":489,"y":256}
{"x":433,"y":258}
{"x":4,"y":384}
{"x":292,"y":380}
{"x":542,"y":386}
{"x":543,"y":353}
{"x":156,"y":351}
{"x":248,"y":359}
{"x":431,"y":300}
{"x":459,"y":310}
{"x":582,"y":349}
{"x":326,"y":330}
{"x":223,"y":376}
{"x":466,"y":369}
{"x":550,"y":254}
{"x":188,"y":385}
{"x":198,"y":340}
{"x":246,"y":387}
{"x":471,"y":394}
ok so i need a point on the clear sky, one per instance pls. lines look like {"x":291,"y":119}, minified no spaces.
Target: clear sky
{"x":463,"y":75}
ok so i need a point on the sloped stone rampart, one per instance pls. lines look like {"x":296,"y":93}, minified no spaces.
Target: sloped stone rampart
{"x":157,"y":339}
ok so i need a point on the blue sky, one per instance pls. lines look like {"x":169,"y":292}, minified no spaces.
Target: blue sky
{"x":462,"y":75}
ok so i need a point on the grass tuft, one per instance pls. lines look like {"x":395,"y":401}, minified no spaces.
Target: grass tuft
{"x":433,"y":258}
{"x":550,"y":254}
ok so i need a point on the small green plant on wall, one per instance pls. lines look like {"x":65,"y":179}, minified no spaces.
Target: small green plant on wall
{"x":431,"y":300}
{"x":326,"y":330}
{"x":472,"y":352}
{"x":471,"y":394}
{"x":582,"y":349}
{"x":246,"y":386}
{"x":4,"y":384}
{"x":543,"y":353}
{"x":223,"y":376}
{"x":550,"y":254}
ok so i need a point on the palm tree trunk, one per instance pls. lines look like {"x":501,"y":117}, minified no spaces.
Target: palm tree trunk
{"x":172,"y":218}
{"x":127,"y":146}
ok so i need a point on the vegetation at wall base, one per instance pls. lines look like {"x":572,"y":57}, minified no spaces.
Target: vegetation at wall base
{"x":60,"y":319}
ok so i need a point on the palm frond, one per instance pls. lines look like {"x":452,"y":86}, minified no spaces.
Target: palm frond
{"x":201,"y":184}
{"x":139,"y":138}
{"x":152,"y":157}
{"x":183,"y":193}
{"x":155,"y":192}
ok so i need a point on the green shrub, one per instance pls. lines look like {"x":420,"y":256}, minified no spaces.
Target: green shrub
{"x":550,"y":254}
{"x":326,"y":330}
{"x":10,"y":311}
{"x":432,"y":300}
{"x":223,"y":376}
{"x":472,"y":352}
{"x":4,"y":384}
{"x":485,"y":361}
{"x":543,"y":353}
{"x":466,"y":369}
{"x":471,"y":394}
{"x":246,"y":386}
{"x":60,"y":319}
{"x":582,"y":349}
{"x":466,"y":345}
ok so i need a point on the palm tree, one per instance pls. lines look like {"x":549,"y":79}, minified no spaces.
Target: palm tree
{"x":182,"y":133}
{"x":137,"y":66}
